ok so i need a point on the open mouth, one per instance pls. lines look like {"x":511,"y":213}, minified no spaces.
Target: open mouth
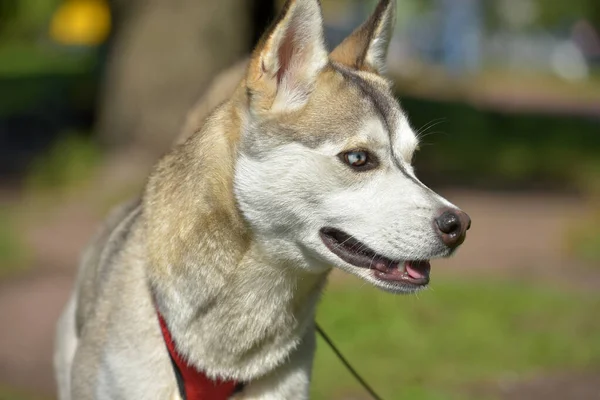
{"x":412,"y":272}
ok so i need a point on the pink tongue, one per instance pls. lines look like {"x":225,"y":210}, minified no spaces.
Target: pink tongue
{"x":413,"y":273}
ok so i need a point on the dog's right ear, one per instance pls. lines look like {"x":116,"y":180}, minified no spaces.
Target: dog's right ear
{"x":284,"y":66}
{"x":367,"y":47}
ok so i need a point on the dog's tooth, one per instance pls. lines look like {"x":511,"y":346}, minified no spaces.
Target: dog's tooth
{"x":402,"y":267}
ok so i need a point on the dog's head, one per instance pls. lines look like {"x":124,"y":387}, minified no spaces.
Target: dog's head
{"x":324,"y":173}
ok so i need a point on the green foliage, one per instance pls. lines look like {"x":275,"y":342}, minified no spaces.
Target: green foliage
{"x":22,"y":24}
{"x":69,"y":164}
{"x":494,"y":149}
{"x":21,"y":59}
{"x":553,"y":13}
{"x":433,"y":345}
{"x":27,"y":19}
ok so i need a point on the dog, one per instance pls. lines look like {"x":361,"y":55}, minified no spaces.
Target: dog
{"x":206,"y":286}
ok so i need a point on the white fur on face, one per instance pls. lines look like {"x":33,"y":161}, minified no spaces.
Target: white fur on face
{"x":405,"y":142}
{"x":292,"y":191}
{"x":277,"y":197}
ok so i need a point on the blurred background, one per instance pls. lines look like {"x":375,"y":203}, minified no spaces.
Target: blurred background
{"x":505,"y":93}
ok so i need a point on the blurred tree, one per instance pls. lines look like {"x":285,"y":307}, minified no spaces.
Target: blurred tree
{"x":162,"y":55}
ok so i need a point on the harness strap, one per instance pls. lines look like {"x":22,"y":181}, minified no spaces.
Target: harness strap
{"x":194,"y":384}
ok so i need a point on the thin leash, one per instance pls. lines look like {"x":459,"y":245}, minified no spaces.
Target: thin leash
{"x":349,"y":367}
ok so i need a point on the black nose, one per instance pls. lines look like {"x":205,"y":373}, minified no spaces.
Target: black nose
{"x":452,"y":225}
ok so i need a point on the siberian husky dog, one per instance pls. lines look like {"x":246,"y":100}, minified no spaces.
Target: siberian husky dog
{"x":218,"y":267}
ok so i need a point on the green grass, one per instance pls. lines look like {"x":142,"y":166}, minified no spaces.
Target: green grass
{"x":588,"y":247}
{"x":460,"y":334}
{"x":584,"y":240}
{"x":10,"y":394}
{"x":13,"y":254}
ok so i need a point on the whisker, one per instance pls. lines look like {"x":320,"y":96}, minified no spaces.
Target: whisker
{"x":427,"y":126}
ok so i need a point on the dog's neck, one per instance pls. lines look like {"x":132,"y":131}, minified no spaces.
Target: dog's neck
{"x":234,"y":310}
{"x":241,"y":323}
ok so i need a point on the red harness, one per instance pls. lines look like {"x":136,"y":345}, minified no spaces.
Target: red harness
{"x":194,"y":384}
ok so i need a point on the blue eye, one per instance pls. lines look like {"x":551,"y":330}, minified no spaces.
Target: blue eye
{"x":356,"y":158}
{"x":360,"y":160}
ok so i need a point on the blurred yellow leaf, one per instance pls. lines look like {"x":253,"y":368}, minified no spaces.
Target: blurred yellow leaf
{"x":81,"y":22}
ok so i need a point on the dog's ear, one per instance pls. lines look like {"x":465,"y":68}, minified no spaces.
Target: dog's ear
{"x":284,"y":66}
{"x":366,"y":48}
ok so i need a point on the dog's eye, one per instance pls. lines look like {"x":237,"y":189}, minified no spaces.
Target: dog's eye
{"x":359,"y":159}
{"x":356,"y":158}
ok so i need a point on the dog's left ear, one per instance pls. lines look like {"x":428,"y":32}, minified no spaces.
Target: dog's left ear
{"x":367,"y":47}
{"x":284,"y":67}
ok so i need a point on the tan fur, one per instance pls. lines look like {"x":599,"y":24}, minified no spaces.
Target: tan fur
{"x":236,"y":308}
{"x":221,"y":89}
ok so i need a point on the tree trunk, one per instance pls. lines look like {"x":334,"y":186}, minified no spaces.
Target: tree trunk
{"x":162,"y":56}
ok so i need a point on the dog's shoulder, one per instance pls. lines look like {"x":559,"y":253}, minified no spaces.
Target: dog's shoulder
{"x":98,"y":257}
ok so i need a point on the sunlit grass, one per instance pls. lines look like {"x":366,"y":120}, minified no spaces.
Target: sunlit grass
{"x":461,"y":333}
